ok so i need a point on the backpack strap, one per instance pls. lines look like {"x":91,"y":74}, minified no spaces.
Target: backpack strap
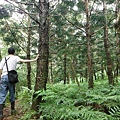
{"x":5,"y":61}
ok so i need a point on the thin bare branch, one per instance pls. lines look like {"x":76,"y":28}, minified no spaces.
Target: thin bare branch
{"x":23,"y":10}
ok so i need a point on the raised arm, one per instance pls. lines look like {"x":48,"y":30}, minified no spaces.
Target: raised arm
{"x":27,"y":61}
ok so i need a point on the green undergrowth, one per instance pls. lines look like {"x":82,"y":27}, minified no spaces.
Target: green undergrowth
{"x":68,"y":102}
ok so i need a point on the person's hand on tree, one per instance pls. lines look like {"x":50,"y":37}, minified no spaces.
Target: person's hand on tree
{"x":37,"y":57}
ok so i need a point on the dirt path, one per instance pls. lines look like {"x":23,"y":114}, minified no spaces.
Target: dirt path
{"x":13,"y":117}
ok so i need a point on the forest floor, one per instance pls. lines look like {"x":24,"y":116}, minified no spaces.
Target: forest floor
{"x":7,"y":112}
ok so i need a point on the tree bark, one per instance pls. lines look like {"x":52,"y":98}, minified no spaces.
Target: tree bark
{"x":43,"y":49}
{"x":28,"y":56}
{"x":51,"y":72}
{"x":102,"y":71}
{"x":74,"y":74}
{"x":88,"y":37}
{"x":65,"y":73}
{"x":117,"y":29}
{"x":106,"y":46}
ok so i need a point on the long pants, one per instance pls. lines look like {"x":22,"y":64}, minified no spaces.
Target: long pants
{"x":5,"y":86}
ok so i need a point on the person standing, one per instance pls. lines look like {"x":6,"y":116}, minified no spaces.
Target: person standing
{"x":5,"y":86}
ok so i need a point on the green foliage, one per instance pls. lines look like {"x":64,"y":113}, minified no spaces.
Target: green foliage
{"x":60,"y":102}
{"x":69,"y":3}
{"x":68,"y":31}
{"x":25,"y":97}
{"x":3,"y":12}
{"x":68,"y":102}
{"x":81,"y":6}
{"x":110,"y":1}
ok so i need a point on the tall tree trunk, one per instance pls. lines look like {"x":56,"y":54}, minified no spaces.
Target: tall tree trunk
{"x":88,"y":36}
{"x":65,"y":73}
{"x":74,"y":74}
{"x":102,"y":71}
{"x":43,"y":49}
{"x":28,"y":55}
{"x":51,"y":72}
{"x":106,"y":45}
{"x":117,"y":28}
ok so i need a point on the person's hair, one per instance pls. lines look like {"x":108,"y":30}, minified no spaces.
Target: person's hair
{"x":11,"y":50}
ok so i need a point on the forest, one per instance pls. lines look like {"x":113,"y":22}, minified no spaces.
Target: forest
{"x":77,"y":74}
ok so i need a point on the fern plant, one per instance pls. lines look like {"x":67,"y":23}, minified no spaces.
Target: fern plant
{"x":68,"y":102}
{"x":60,"y":102}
